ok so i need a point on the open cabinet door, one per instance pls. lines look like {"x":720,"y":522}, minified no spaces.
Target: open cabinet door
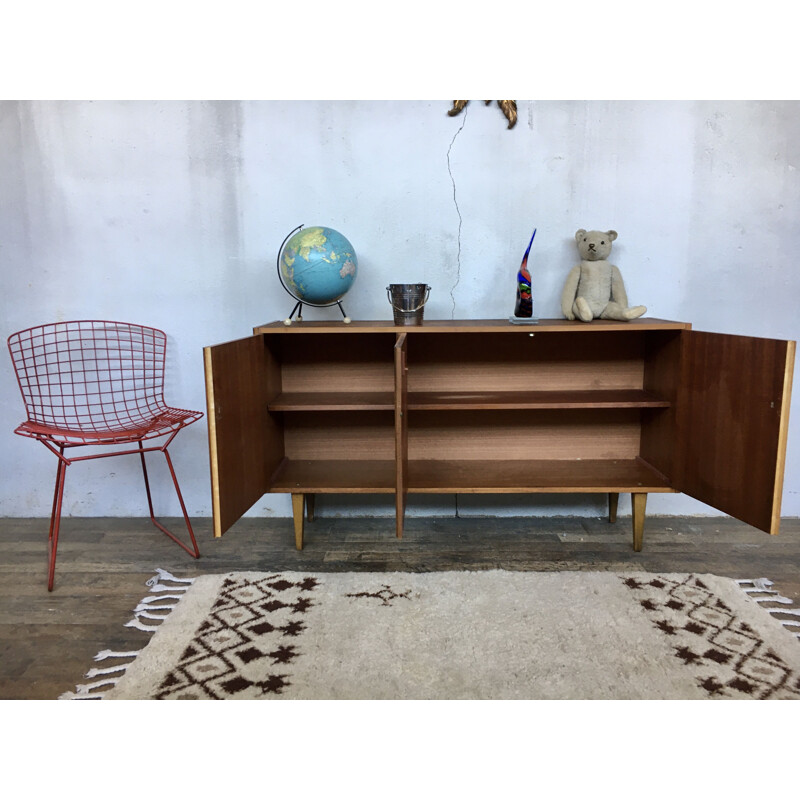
{"x":245,"y":443}
{"x":732,"y":419}
{"x":401,"y":429}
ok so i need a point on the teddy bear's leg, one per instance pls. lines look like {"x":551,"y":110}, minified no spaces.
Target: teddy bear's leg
{"x":581,"y":310}
{"x":618,"y":312}
{"x":634,"y":311}
{"x":614,"y":311}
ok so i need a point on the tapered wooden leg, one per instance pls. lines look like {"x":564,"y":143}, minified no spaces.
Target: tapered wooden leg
{"x":310,"y":507}
{"x":297,"y":513}
{"x":639,"y":501}
{"x":613,"y":502}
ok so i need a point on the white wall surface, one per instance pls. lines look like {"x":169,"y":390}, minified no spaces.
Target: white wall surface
{"x":170,"y":214}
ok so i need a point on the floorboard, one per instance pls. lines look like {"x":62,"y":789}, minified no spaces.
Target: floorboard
{"x":48,"y":640}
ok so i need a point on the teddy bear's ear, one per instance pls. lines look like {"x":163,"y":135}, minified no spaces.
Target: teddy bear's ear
{"x":612,"y":235}
{"x":579,"y":233}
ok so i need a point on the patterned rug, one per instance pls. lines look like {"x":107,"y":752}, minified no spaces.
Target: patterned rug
{"x":457,"y":635}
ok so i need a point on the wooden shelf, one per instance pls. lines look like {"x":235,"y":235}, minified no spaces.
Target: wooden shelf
{"x":573,"y":475}
{"x":333,"y":401}
{"x":352,"y":476}
{"x":470,"y":477}
{"x":449,"y":401}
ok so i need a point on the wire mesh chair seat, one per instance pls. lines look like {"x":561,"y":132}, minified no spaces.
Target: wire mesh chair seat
{"x":136,"y":429}
{"x":97,"y":383}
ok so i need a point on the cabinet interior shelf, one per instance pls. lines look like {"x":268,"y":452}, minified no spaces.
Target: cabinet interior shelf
{"x":470,"y":476}
{"x":449,"y":401}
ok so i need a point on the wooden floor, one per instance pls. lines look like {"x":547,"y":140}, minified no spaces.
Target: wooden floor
{"x":48,"y":640}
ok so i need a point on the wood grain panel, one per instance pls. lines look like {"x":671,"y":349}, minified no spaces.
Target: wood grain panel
{"x":538,"y":362}
{"x":340,"y":435}
{"x":400,"y":431}
{"x":334,"y":475}
{"x":437,"y":327}
{"x":333,"y":401}
{"x":337,"y":363}
{"x":439,"y":476}
{"x":245,"y":441}
{"x":783,"y":435}
{"x":610,"y":398}
{"x":733,"y":408}
{"x":446,"y":401}
{"x":520,"y":476}
{"x":661,"y":376}
{"x":500,"y":435}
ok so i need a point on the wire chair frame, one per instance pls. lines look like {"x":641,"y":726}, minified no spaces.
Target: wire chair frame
{"x":97,"y":382}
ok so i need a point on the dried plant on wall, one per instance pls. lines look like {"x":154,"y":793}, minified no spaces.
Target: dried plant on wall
{"x":509,"y":108}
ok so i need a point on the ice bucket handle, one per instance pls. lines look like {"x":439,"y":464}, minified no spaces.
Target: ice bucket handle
{"x":407,"y":310}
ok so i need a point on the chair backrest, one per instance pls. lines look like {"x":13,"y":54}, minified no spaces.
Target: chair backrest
{"x":90,"y":375}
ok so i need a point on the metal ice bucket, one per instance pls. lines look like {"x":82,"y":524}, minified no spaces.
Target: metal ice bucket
{"x":408,"y":301}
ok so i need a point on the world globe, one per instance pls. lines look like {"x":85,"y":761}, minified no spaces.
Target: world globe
{"x":317,"y":266}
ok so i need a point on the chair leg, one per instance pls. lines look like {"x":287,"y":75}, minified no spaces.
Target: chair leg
{"x":195,"y":553}
{"x":55,"y":523}
{"x":146,"y":482}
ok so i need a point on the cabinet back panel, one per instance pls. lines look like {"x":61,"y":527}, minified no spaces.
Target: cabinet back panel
{"x":337,"y":363}
{"x":339,"y":435}
{"x":502,"y":435}
{"x":511,"y":362}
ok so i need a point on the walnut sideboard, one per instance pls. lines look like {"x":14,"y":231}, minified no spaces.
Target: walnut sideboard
{"x":485,"y":406}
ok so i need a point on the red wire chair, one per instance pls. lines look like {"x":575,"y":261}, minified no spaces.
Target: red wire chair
{"x":94,"y":382}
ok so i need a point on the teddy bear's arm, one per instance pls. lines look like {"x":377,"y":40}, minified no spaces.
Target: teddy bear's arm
{"x":569,"y":292}
{"x":618,"y":293}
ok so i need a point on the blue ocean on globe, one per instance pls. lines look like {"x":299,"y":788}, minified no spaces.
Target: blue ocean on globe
{"x":318,"y":265}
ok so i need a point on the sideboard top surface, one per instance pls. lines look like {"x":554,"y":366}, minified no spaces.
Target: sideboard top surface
{"x":468,"y":326}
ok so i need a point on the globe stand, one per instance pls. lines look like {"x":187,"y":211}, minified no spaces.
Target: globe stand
{"x":298,"y":307}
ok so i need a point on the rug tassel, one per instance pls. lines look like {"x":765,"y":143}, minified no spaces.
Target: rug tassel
{"x":147,"y":604}
{"x":140,"y":626}
{"x":795,"y":611}
{"x":86,"y":691}
{"x":104,"y":654}
{"x":162,"y":575}
{"x":761,"y":586}
{"x":121,"y":667}
{"x":778,"y":599}
{"x":159,"y":598}
{"x":158,"y":583}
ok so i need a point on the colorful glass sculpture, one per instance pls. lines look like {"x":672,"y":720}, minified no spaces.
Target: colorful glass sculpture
{"x":524,"y":306}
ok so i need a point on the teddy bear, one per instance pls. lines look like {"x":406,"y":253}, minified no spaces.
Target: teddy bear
{"x":594,"y":288}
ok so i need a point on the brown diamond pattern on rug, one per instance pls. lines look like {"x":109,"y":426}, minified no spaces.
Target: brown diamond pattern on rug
{"x":253,"y":623}
{"x":729,"y":658}
{"x":385,"y":595}
{"x":485,"y":634}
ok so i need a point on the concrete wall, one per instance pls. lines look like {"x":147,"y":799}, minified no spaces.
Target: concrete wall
{"x":171,"y":214}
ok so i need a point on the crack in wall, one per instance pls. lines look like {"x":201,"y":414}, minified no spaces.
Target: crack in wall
{"x":458,"y":256}
{"x":460,"y":220}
